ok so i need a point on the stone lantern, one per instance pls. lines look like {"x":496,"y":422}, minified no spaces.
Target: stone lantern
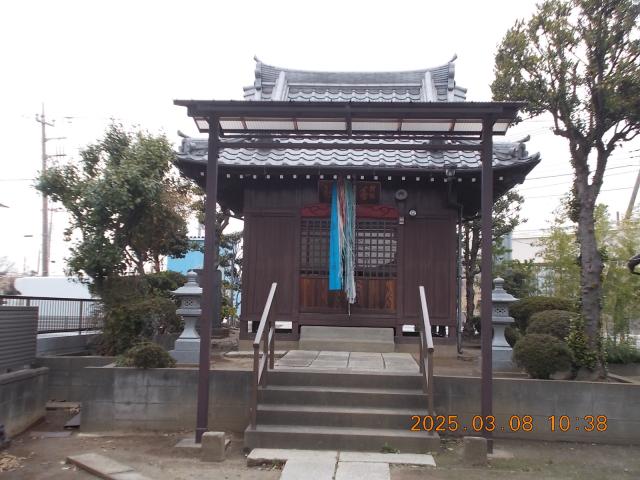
{"x":187,"y":346}
{"x":501,"y":358}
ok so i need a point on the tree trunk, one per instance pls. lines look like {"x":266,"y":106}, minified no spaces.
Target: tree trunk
{"x":471,"y":247}
{"x":470,"y":295}
{"x":591,"y":268}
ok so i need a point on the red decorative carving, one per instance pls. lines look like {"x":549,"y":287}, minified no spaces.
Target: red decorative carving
{"x":316,"y":210}
{"x":362,"y":211}
{"x":376,"y":211}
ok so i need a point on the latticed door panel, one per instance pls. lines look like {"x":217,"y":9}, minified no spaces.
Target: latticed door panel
{"x":375,"y":270}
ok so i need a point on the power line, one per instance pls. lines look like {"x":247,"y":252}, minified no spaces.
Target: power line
{"x":566,"y":183}
{"x":547,"y":168}
{"x":567,"y":174}
{"x":562,"y":194}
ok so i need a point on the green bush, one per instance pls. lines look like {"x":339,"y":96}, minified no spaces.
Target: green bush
{"x":163,"y":283}
{"x":522,"y":310}
{"x":136,"y":319}
{"x":116,"y":290}
{"x":622,"y":351}
{"x":552,"y":322}
{"x":512,"y":335}
{"x":541,"y":355}
{"x":583,"y":355}
{"x":137,"y":307}
{"x":146,"y":355}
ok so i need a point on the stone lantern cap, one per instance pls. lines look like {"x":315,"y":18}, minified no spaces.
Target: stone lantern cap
{"x":499,"y":294}
{"x":189,"y":295}
{"x":190,"y":288}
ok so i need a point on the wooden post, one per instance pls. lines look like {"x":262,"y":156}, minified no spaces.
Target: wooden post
{"x":486,"y":272}
{"x":208,"y":283}
{"x":272,"y":347}
{"x":254,"y":387}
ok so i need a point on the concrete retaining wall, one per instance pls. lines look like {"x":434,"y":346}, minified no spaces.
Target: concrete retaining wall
{"x":541,"y":399}
{"x":165,"y":399}
{"x":66,"y":343}
{"x":162,"y":399}
{"x":66,"y":379}
{"x":23,"y":398}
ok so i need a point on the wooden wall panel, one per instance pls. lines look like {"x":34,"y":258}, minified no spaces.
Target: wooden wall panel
{"x":271,"y":249}
{"x":430,"y":260}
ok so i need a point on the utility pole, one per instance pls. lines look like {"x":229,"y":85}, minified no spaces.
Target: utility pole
{"x":41,"y":119}
{"x":632,"y":201}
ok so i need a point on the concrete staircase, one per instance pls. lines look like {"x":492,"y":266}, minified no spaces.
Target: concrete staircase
{"x":361,"y":411}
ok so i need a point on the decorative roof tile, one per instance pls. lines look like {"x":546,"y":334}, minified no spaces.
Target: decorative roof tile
{"x":505,"y":154}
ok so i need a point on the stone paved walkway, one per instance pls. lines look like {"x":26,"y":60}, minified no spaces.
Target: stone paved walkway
{"x":361,"y":361}
{"x":333,"y":465}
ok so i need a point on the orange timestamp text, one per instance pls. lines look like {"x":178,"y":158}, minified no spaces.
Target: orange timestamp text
{"x":515,"y":423}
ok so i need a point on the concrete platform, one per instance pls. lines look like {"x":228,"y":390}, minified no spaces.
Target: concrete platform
{"x":334,"y":465}
{"x":362,"y":471}
{"x":347,"y":339}
{"x":349,"y":361}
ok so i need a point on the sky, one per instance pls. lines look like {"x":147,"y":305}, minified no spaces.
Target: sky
{"x":91,"y":62}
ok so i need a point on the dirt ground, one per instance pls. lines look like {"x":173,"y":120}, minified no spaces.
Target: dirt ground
{"x":154,"y":455}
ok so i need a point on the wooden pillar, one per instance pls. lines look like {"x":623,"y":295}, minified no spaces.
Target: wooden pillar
{"x":209,"y":292}
{"x":486,"y":272}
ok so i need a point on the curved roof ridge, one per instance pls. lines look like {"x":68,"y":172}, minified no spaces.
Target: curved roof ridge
{"x":260,"y":63}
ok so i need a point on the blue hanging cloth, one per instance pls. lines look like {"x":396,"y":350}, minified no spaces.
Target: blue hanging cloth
{"x":335,"y":249}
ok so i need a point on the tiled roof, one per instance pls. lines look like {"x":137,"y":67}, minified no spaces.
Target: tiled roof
{"x":427,"y":85}
{"x":504,"y":155}
{"x":431,"y":84}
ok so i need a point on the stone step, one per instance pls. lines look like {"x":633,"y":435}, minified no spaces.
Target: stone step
{"x":347,"y":339}
{"x":337,"y":438}
{"x":331,"y":416}
{"x":342,"y":396}
{"x":308,"y":377}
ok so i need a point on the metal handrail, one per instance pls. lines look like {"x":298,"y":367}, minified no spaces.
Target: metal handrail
{"x":426,"y":351}
{"x":262,"y":365}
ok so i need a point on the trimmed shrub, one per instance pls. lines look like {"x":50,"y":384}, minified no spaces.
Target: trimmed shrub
{"x":541,"y":355}
{"x":512,"y":335}
{"x":146,"y":355}
{"x":522,"y":310}
{"x":552,"y":322}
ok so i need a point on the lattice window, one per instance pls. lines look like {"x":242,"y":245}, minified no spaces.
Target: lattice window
{"x":375,"y":248}
{"x":314,"y":246}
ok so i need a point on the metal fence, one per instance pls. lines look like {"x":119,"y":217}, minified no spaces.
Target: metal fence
{"x":61,"y":314}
